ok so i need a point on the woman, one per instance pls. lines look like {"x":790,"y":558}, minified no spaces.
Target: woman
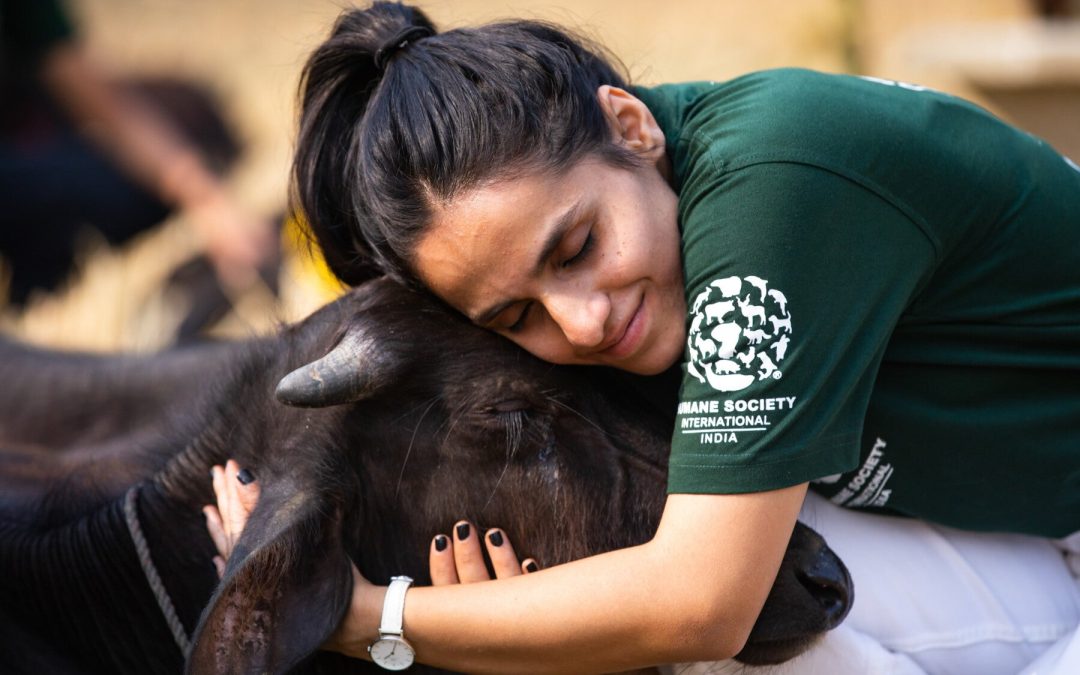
{"x":865,"y":280}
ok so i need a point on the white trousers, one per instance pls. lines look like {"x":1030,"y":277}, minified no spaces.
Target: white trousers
{"x":931,"y":599}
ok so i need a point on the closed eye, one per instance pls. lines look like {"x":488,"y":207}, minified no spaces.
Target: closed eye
{"x":520,"y":323}
{"x":582,"y":252}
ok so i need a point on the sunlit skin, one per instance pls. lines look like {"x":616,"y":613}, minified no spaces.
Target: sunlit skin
{"x":577,"y":267}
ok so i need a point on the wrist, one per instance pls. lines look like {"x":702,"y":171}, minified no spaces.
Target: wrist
{"x":392,"y":651}
{"x":360,"y":627}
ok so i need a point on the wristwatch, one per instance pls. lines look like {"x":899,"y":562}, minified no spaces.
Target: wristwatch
{"x":391,"y":650}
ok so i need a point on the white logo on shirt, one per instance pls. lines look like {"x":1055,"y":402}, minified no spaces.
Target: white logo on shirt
{"x":739,"y":333}
{"x":868,"y":486}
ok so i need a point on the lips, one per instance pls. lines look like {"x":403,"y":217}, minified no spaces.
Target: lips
{"x":629,"y":337}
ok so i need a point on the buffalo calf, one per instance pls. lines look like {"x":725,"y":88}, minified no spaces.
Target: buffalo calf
{"x":371,"y":425}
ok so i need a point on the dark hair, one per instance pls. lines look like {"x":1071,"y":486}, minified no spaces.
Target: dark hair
{"x":377,"y":149}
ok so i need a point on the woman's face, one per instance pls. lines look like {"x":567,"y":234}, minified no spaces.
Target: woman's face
{"x":579,"y":267}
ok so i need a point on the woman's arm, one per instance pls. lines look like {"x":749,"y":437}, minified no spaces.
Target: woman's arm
{"x":690,"y":594}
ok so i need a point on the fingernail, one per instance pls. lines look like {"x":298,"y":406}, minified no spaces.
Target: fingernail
{"x":441,"y":542}
{"x":495,"y":538}
{"x":245,"y":477}
{"x":531,"y":566}
{"x":463,"y":531}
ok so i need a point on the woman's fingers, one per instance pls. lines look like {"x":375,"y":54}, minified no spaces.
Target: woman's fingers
{"x":468,"y":557}
{"x":459,"y":558}
{"x":503,"y":559}
{"x":441,"y":561}
{"x":247,"y":491}
{"x":236,"y":493}
{"x":217,"y":474}
{"x":243,"y":494}
{"x":216,"y":529}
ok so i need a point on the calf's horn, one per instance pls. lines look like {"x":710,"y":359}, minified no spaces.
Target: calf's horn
{"x":352,"y":370}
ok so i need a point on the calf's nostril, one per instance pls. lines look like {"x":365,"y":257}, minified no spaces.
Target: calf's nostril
{"x":829,"y":596}
{"x":829,"y":583}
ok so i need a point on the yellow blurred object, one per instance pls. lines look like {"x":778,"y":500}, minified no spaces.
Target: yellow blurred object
{"x":310,"y":266}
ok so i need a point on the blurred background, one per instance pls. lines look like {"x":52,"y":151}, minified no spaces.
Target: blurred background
{"x":1020,"y":58}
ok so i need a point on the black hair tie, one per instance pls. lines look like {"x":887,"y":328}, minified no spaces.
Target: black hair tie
{"x":400,"y":40}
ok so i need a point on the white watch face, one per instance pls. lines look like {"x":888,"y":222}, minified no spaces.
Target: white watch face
{"x":392,"y":653}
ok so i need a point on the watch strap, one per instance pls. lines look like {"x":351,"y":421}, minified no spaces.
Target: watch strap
{"x":393,"y":610}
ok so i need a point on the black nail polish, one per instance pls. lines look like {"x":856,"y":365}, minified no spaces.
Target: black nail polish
{"x":531,"y":567}
{"x":245,"y":477}
{"x":496,"y":538}
{"x":441,"y":542}
{"x":463,"y":531}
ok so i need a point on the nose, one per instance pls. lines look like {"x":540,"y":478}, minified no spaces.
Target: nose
{"x":581,"y":316}
{"x":828,"y":582}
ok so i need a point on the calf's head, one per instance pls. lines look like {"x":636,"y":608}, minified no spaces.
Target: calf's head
{"x":402,"y":418}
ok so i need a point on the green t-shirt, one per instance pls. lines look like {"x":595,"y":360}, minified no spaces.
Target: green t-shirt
{"x":883,"y":287}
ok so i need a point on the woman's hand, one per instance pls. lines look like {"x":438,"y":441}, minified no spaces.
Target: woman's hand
{"x":237,"y":493}
{"x":458,"y":558}
{"x":453,"y":560}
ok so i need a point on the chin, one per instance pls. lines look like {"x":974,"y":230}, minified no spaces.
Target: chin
{"x":661,"y":358}
{"x":642,"y":369}
{"x":650,"y":366}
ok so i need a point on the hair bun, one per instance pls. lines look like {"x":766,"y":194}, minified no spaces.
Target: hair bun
{"x":399,"y":41}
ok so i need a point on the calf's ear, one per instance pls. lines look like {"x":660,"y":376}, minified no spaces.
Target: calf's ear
{"x":286,"y":588}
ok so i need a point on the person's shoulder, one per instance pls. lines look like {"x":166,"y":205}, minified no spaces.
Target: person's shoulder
{"x":787,"y":97}
{"x":794,"y":114}
{"x":688,"y":108}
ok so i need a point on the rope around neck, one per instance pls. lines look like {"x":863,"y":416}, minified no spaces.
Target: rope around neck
{"x":131,"y":517}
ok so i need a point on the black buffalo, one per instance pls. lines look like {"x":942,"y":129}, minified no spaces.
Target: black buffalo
{"x":402,"y":419}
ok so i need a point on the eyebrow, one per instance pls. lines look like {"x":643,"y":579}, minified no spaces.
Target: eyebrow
{"x":551,"y":242}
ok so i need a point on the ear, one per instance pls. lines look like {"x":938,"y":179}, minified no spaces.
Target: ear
{"x":286,"y":588}
{"x":631,"y":121}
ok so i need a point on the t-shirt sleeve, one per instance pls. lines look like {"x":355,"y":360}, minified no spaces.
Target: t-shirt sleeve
{"x":796,"y":277}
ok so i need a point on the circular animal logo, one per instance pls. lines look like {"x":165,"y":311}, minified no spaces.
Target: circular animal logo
{"x":739,"y":333}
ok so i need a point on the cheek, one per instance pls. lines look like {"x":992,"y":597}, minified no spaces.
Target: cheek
{"x":547,"y":344}
{"x":538,"y":345}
